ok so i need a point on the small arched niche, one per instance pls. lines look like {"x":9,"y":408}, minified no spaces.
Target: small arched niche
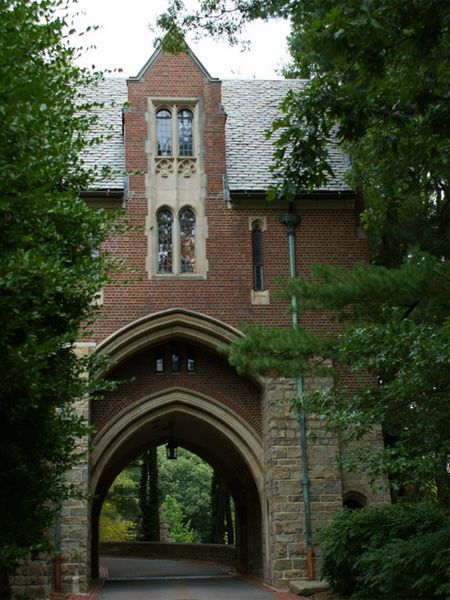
{"x":354,"y":500}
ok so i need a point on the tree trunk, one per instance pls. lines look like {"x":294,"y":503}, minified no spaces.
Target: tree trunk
{"x":221,"y":512}
{"x":229,"y":522}
{"x":149,"y":496}
{"x":443,"y":486}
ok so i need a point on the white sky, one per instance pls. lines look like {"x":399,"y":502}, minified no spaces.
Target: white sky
{"x":124,"y":41}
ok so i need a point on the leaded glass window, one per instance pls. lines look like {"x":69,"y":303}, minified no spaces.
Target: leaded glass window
{"x":185,"y":138}
{"x":187,"y":240}
{"x":258,"y":275}
{"x":164,"y":132}
{"x":165,"y":247}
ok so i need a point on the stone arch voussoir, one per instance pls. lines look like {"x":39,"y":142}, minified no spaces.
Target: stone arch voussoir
{"x":151,"y":408}
{"x":165,"y":325}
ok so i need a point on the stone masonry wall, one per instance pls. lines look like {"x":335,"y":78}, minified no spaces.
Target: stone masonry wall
{"x":284,"y":474}
{"x":31,"y":577}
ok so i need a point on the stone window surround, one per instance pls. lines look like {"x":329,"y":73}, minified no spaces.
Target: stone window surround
{"x":177,"y":165}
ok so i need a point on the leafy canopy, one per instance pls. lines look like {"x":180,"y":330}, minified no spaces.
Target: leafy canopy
{"x":49,"y":273}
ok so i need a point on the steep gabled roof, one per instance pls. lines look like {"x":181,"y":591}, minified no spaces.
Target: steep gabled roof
{"x":251,"y":107}
{"x":112,"y":92}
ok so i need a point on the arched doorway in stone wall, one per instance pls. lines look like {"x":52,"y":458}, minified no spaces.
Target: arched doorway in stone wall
{"x":215,"y":413}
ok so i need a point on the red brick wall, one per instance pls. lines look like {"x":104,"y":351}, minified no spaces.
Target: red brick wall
{"x":323,"y":236}
{"x":213,"y":377}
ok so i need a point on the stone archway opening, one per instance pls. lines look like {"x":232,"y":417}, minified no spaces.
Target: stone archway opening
{"x":204,"y":427}
{"x":216,"y":414}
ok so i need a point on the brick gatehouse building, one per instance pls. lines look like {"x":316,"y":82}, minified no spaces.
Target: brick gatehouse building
{"x":191,"y":168}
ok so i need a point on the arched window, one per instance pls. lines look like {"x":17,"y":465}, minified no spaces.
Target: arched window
{"x":165,"y":246}
{"x":258,"y":275}
{"x":185,"y":139}
{"x":187,"y":240}
{"x":164,"y":132}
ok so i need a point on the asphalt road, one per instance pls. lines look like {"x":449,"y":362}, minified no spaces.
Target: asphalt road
{"x":141,"y":579}
{"x":232,"y":588}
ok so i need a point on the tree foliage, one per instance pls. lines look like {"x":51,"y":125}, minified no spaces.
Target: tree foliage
{"x":48,"y":274}
{"x":380,"y":91}
{"x":397,"y":552}
{"x":175,"y":526}
{"x":114,"y":528}
{"x":187,"y":480}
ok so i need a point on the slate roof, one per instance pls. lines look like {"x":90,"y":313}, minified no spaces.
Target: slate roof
{"x":112,"y":92}
{"x":250,"y":105}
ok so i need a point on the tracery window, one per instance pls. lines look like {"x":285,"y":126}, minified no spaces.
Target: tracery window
{"x":185,"y":136}
{"x":164,"y":132}
{"x":178,"y":225}
{"x":165,"y":244}
{"x":187,"y":240}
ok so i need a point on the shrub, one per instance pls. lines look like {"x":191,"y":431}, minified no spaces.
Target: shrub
{"x":416,"y":568}
{"x":361,"y":551}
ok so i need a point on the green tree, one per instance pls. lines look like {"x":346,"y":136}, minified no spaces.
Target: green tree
{"x":112,"y":527}
{"x":48,"y":274}
{"x":123,"y":495}
{"x":380,"y":90}
{"x":176,"y":528}
{"x":187,"y":479}
{"x":121,"y":517}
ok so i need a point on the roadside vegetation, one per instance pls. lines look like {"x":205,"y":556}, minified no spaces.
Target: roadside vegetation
{"x":50,"y":270}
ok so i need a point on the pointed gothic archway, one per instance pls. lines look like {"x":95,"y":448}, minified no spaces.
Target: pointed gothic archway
{"x":203,"y":423}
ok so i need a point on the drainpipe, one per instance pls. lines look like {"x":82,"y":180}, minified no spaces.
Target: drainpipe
{"x":291,"y":221}
{"x":57,"y":557}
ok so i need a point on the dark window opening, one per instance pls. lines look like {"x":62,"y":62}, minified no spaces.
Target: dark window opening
{"x":159,"y":361}
{"x":175,"y":360}
{"x":258,"y":275}
{"x":191,"y":360}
